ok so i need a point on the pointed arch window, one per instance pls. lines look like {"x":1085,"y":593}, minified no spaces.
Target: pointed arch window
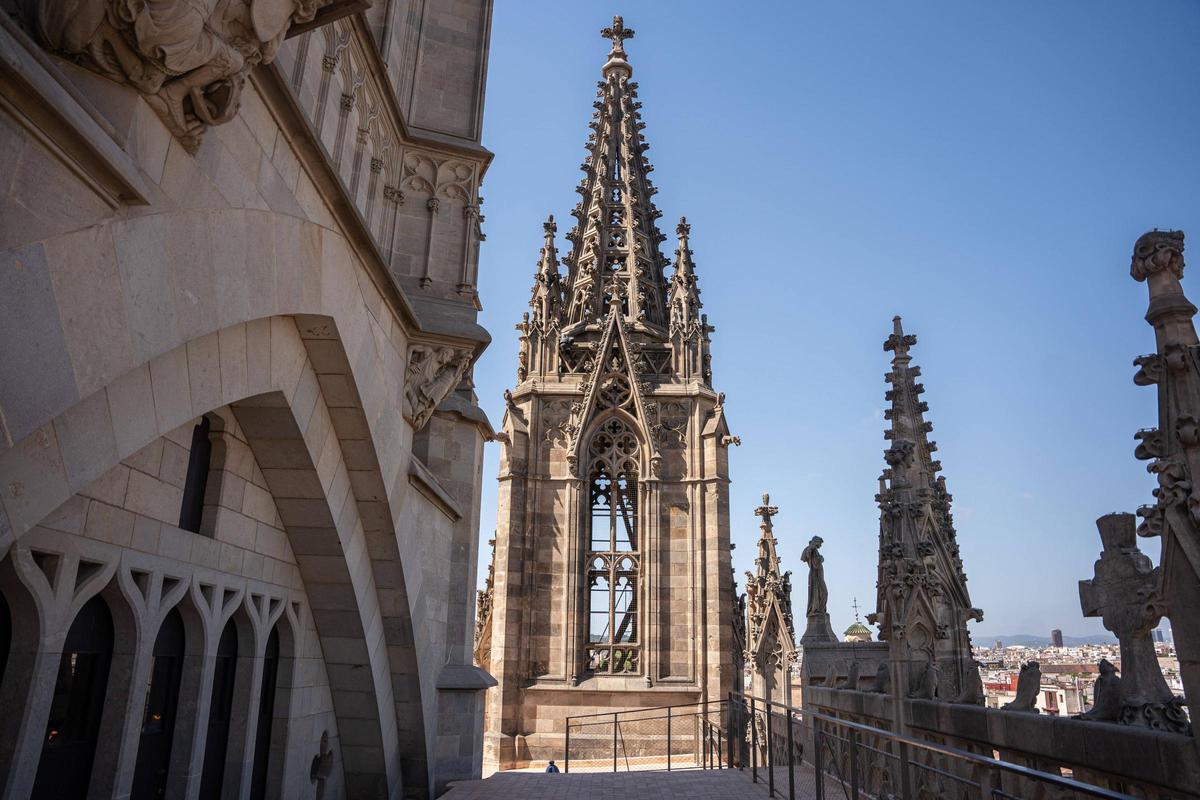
{"x":613,"y":557}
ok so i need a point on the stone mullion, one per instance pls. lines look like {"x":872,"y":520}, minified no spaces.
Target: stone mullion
{"x":574,"y":568}
{"x":649,"y":570}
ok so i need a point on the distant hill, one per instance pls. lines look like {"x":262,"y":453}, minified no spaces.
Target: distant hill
{"x":1028,"y":640}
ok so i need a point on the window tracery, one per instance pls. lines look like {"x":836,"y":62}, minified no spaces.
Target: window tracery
{"x":613,"y":557}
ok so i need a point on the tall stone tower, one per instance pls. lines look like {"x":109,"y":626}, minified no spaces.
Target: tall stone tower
{"x":923,"y":604}
{"x":612,"y":584}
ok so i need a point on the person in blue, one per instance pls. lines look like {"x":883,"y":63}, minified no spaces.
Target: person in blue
{"x":551,"y":767}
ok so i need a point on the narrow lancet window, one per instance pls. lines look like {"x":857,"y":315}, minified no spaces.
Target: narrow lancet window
{"x":613,"y":558}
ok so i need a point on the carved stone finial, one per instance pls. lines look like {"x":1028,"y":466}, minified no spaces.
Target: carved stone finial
{"x":1158,"y":251}
{"x":1124,"y":593}
{"x":683,"y":229}
{"x":549,"y":226}
{"x":618,"y":33}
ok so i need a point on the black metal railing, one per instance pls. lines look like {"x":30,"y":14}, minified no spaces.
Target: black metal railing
{"x":810,"y":754}
{"x":683,"y":736}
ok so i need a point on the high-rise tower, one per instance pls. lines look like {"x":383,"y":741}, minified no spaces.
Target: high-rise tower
{"x":612,"y":581}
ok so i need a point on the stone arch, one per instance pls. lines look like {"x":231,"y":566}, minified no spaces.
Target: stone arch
{"x":294,"y":392}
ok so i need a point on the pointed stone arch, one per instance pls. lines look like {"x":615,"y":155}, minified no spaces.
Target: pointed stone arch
{"x":296,"y":395}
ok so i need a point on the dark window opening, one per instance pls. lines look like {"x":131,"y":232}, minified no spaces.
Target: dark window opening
{"x":5,"y":636}
{"x":219,"y":714}
{"x":197,"y":478}
{"x":73,"y":727}
{"x":158,"y":717}
{"x":266,"y":713}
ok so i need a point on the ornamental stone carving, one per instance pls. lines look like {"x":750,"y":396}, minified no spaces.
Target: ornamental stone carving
{"x":189,"y":60}
{"x":433,"y":372}
{"x":1029,"y":683}
{"x":1125,"y":594}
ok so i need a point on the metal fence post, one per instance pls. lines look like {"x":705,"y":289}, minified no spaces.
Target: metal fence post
{"x":753,"y":742}
{"x":615,"y":723}
{"x":906,"y":787}
{"x":818,"y":761}
{"x":668,"y":738}
{"x":729,"y":733}
{"x":852,"y":740}
{"x":791,"y":746}
{"x":567,"y":746}
{"x":770,"y":753}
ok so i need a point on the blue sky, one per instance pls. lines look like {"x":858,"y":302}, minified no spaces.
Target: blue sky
{"x":982,"y":169}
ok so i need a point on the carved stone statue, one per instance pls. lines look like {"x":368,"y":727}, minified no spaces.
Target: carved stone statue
{"x":818,"y":594}
{"x":433,"y":372}
{"x":1106,"y":701}
{"x":1124,"y":593}
{"x":819,"y":628}
{"x":883,"y":679}
{"x":972,"y":689}
{"x":927,"y":688}
{"x":852,"y":676}
{"x":188,"y":58}
{"x":1029,"y":683}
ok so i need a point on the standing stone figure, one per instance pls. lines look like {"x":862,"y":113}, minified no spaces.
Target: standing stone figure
{"x":818,"y":594}
{"x":818,"y":629}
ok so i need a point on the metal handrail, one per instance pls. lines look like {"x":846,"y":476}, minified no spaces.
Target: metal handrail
{"x":946,"y":750}
{"x":699,"y":709}
{"x":609,"y":714}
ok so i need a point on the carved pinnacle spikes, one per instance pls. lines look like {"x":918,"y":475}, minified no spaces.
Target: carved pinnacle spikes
{"x":1150,"y":369}
{"x":1151,"y":444}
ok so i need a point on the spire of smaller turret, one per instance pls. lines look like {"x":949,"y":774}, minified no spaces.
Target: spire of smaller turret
{"x":547,"y":287}
{"x":683,"y":296}
{"x":910,"y":457}
{"x":767,"y":563}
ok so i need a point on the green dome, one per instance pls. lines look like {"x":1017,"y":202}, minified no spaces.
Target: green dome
{"x":859,"y":632}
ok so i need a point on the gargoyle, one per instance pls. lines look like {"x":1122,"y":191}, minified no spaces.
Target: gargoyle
{"x":188,"y":58}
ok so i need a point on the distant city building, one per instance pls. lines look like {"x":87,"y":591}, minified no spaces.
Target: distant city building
{"x":1056,"y":638}
{"x":1158,"y":635}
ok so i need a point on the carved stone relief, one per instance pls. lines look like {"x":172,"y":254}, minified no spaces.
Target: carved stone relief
{"x":189,"y":60}
{"x":433,"y":372}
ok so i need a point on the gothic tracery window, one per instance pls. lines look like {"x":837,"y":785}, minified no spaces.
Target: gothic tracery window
{"x":613,"y":552}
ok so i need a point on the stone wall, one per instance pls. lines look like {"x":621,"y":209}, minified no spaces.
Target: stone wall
{"x":1133,"y":760}
{"x":260,"y":281}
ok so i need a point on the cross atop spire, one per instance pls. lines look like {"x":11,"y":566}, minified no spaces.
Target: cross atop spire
{"x":618,"y":33}
{"x":855,"y":605}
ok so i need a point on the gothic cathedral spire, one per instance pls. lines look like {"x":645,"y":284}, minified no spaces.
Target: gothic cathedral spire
{"x":613,"y":576}
{"x":923,"y":604}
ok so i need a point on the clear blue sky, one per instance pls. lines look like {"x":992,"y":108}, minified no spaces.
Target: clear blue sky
{"x":982,"y":169}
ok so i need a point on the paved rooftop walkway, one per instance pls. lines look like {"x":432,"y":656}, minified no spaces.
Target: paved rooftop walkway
{"x":658,"y":785}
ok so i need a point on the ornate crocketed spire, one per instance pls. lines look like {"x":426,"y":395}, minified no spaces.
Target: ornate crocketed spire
{"x":689,"y":329}
{"x":684,"y":293}
{"x":615,"y":242}
{"x":547,"y":287}
{"x":771,"y":637}
{"x":923,"y":604}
